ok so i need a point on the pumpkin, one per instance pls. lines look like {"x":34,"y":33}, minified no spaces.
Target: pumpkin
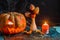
{"x":12,"y":22}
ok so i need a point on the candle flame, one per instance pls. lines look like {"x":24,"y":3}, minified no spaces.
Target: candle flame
{"x":45,"y":23}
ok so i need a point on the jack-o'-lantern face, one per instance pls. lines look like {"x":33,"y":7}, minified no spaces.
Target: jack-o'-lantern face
{"x":12,"y":22}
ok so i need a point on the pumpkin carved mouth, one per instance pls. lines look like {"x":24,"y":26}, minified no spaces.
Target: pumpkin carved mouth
{"x":12,"y":22}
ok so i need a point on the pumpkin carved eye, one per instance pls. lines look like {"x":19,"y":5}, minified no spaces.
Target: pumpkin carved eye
{"x":10,"y":23}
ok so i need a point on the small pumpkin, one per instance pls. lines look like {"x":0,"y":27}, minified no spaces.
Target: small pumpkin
{"x":12,"y":22}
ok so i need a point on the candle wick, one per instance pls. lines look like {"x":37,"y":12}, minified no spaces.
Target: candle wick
{"x":45,"y":23}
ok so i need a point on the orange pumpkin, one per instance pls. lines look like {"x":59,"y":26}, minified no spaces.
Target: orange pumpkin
{"x":12,"y":22}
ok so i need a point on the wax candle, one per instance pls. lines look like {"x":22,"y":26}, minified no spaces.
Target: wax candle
{"x":45,"y":28}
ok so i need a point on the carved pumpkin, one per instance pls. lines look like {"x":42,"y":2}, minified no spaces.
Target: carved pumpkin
{"x":12,"y":22}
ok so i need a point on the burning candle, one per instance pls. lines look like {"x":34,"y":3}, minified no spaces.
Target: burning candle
{"x":45,"y":28}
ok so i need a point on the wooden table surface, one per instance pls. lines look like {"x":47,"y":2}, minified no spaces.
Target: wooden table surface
{"x":54,"y":35}
{"x":28,"y":37}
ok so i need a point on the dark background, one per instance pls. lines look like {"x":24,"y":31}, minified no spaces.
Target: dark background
{"x":49,"y":9}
